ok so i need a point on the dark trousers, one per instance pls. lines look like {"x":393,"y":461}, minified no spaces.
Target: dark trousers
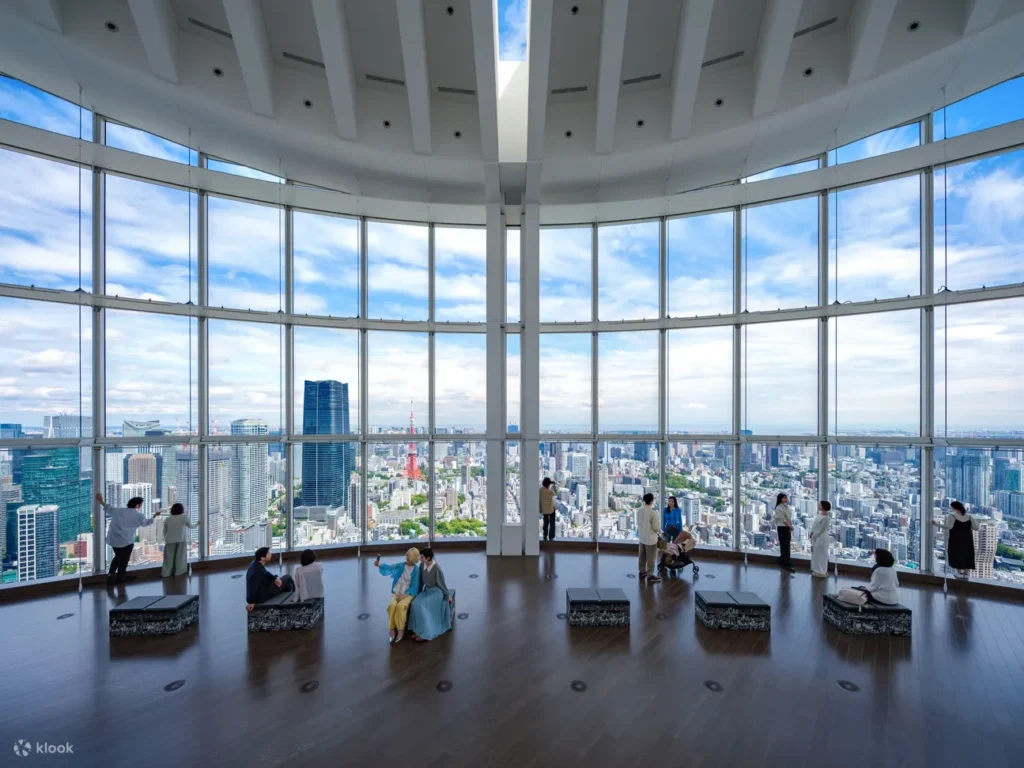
{"x":287,"y":585}
{"x":549,"y":527}
{"x":119,"y":562}
{"x":785,"y":536}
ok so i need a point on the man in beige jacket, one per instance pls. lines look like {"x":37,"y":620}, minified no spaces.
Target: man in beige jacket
{"x":547,"y":508}
{"x":648,"y":524}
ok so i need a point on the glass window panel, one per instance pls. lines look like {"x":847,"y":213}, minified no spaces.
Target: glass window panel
{"x":565,"y":391}
{"x":47,"y":513}
{"x":25,"y":104}
{"x":566,"y":271}
{"x":512,"y":279}
{"x":326,"y":271}
{"x":780,"y":255}
{"x":766,"y":471}
{"x":988,"y":482}
{"x":397,"y":481}
{"x":881,"y":143}
{"x":327,"y":493}
{"x":699,"y":380}
{"x":627,"y":379}
{"x":569,"y":466}
{"x":240,"y":170}
{"x":45,"y":223}
{"x":876,"y":503}
{"x":875,"y":372}
{"x":997,"y":105}
{"x":245,"y":494}
{"x":152,"y":374}
{"x":780,"y":378}
{"x":784,"y":170}
{"x":460,"y":490}
{"x":513,"y":382}
{"x":397,"y":256}
{"x":152,"y":246}
{"x":326,"y":381}
{"x":700,"y":265}
{"x":699,"y":475}
{"x":979,"y":223}
{"x":398,"y":382}
{"x":513,"y":30}
{"x":513,"y":489}
{"x":625,"y":472}
{"x":628,"y":271}
{"x":979,"y":369}
{"x":460,"y":274}
{"x":46,"y":383}
{"x":875,"y":241}
{"x":246,"y":255}
{"x":133,"y":140}
{"x":460,"y":382}
{"x":246,"y":384}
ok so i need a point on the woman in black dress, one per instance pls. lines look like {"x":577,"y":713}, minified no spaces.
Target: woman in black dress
{"x":960,"y":527}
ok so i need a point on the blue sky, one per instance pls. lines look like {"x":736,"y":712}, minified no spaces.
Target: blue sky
{"x":151,"y":240}
{"x":513,"y":33}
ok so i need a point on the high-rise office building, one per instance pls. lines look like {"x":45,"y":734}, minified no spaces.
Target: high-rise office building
{"x":52,"y":476}
{"x":142,"y":469}
{"x":986,"y":538}
{"x":139,"y":428}
{"x":186,"y":486}
{"x":141,"y":490}
{"x":1005,"y":476}
{"x":248,"y":474}
{"x":326,"y":467}
{"x":38,"y":542}
{"x":642,"y":451}
{"x":967,"y":477}
{"x":67,"y":425}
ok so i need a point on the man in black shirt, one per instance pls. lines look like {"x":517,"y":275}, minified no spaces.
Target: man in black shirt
{"x":261,"y":584}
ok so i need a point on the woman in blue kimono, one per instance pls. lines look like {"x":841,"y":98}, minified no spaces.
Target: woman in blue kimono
{"x":431,"y":612}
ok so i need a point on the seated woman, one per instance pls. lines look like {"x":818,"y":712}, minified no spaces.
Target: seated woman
{"x":431,"y":612}
{"x":884,"y":586}
{"x":405,"y":585}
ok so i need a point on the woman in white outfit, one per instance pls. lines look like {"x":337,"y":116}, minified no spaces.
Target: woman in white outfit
{"x":176,"y":542}
{"x":819,"y":540}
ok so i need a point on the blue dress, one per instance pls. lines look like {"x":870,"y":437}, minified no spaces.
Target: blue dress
{"x":430,"y":614}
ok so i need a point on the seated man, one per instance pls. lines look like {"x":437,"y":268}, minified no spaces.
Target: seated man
{"x":261,"y":584}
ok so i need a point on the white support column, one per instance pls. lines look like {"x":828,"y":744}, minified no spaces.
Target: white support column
{"x":204,"y":369}
{"x":927,"y":374}
{"x":737,"y":375}
{"x":431,"y":385}
{"x":289,"y":383}
{"x":364,"y":382}
{"x":530,"y":377}
{"x":823,"y":328}
{"x":496,"y":378}
{"x":98,"y":353}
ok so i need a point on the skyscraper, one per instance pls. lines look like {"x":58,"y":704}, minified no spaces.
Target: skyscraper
{"x":642,"y":451}
{"x":248,"y":474}
{"x":985,"y":540}
{"x":52,"y":477}
{"x":67,"y":425}
{"x":38,"y":544}
{"x":1006,"y":477}
{"x":142,"y":490}
{"x":186,"y":486}
{"x":139,"y":428}
{"x":967,"y":477}
{"x":142,"y":469}
{"x":218,"y":497}
{"x":326,"y":467}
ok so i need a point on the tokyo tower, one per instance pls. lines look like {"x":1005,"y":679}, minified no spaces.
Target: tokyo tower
{"x":412,"y":469}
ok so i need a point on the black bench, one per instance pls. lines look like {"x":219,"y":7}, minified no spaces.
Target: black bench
{"x":601,"y":607}
{"x":154,"y":615}
{"x":283,"y":611}
{"x":868,"y":619}
{"x":733,"y":610}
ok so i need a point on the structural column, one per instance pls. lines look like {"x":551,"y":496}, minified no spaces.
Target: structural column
{"x":529,"y":345}
{"x":927,"y":535}
{"x":496,"y":378}
{"x":98,"y":352}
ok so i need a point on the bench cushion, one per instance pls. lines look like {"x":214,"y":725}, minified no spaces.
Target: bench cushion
{"x":582,"y":595}
{"x":136,"y":604}
{"x":717,"y":598}
{"x":870,"y":619}
{"x":867,"y":607}
{"x":173,"y":602}
{"x":154,"y":615}
{"x":612,"y":596}
{"x":284,"y":599}
{"x":748,"y":599}
{"x":733,"y":610}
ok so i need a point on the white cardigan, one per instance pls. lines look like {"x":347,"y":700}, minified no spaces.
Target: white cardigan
{"x":884,"y":586}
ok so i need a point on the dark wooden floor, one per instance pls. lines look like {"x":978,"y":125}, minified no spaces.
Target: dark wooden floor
{"x":951,"y":695}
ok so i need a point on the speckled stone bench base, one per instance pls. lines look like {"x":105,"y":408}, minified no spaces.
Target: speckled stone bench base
{"x":872,"y":620}
{"x":597,"y":607}
{"x":274,"y":617}
{"x":733,"y":610}
{"x":157,"y":615}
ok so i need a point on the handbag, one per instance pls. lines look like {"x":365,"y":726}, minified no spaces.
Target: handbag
{"x":852,"y":596}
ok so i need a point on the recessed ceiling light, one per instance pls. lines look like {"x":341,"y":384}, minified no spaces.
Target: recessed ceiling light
{"x":568,"y":134}
{"x":575,"y":10}
{"x":808,"y":72}
{"x":912,"y":26}
{"x":640,"y":123}
{"x":450,"y":11}
{"x":718,"y":102}
{"x":387,"y":123}
{"x":218,"y":72}
{"x":458,"y":134}
{"x":308,"y":103}
{"x":112,"y":26}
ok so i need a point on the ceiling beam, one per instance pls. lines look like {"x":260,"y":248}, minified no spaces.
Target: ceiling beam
{"x":609,"y":72}
{"x":332,"y":29}
{"x":980,"y":14}
{"x":694,"y":25}
{"x":773,"y":44}
{"x":45,"y":13}
{"x":485,"y":56}
{"x":539,"y":61}
{"x":412,"y":30}
{"x":867,"y":33}
{"x":159,"y":32}
{"x":245,"y":19}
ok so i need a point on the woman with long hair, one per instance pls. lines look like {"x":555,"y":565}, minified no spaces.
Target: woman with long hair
{"x":671,"y":519}
{"x":884,"y":587}
{"x":960,"y":528}
{"x":783,"y":520}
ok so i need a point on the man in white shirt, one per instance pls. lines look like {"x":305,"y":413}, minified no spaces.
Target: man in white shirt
{"x":124,"y":522}
{"x":647,"y":527}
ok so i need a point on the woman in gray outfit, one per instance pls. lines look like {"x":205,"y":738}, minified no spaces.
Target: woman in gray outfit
{"x":431,"y":611}
{"x":176,"y":542}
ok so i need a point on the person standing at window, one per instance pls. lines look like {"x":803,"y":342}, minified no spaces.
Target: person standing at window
{"x":783,"y":520}
{"x":819,"y":540}
{"x":647,"y":532}
{"x":960,"y":528}
{"x":121,"y":530}
{"x":548,"y":489}
{"x":176,"y":542}
{"x":672,"y":519}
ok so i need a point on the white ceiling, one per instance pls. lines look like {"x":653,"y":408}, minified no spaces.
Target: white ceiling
{"x":156,"y":72}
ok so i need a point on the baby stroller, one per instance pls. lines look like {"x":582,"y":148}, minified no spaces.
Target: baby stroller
{"x":675,"y":556}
